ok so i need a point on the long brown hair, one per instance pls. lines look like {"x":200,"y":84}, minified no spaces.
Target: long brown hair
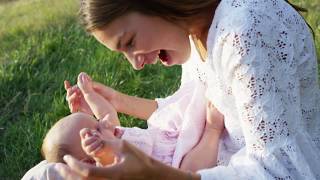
{"x":99,"y":13}
{"x":96,"y":14}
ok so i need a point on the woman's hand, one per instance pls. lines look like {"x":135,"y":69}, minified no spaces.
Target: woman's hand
{"x":75,"y":99}
{"x":131,"y":163}
{"x":215,"y":120}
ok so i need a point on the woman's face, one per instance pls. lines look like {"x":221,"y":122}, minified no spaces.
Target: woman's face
{"x":145,"y":39}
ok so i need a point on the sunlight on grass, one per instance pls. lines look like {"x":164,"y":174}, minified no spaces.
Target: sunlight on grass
{"x":34,"y":14}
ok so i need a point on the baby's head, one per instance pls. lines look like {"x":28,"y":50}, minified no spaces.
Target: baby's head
{"x":63,"y":138}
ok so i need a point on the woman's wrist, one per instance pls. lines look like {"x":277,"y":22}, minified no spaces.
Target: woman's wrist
{"x":109,"y":93}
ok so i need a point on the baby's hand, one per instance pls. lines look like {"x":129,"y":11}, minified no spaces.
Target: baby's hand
{"x":92,"y":144}
{"x":215,"y":120}
{"x":85,"y":83}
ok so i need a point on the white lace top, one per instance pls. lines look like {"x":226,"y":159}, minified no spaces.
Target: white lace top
{"x":261,"y":73}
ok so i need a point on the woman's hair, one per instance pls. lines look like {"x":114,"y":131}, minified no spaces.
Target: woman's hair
{"x":96,"y":14}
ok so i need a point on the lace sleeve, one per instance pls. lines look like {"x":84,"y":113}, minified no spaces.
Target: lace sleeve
{"x":258,"y":61}
{"x":262,"y":74}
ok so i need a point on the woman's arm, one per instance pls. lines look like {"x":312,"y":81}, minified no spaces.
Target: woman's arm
{"x":138,"y":107}
{"x":134,"y":165}
{"x":204,"y":154}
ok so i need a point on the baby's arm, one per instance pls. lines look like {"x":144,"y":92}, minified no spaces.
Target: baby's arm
{"x":205,"y":153}
{"x":98,"y":104}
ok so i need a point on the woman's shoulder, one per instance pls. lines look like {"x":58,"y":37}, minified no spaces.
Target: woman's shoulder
{"x":247,"y":16}
{"x":235,"y":15}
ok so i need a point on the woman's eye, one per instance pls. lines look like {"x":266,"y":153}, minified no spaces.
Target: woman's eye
{"x":130,"y":44}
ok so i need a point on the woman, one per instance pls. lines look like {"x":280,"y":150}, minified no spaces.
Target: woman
{"x":260,"y":69}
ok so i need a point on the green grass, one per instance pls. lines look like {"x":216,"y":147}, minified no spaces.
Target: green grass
{"x":36,"y":58}
{"x":41,"y":44}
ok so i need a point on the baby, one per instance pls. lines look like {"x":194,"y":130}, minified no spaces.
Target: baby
{"x":63,"y":138}
{"x":160,"y":140}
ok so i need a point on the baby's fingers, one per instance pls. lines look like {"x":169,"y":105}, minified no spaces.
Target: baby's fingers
{"x":67,"y":85}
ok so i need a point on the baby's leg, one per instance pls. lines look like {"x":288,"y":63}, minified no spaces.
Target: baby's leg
{"x":98,"y":104}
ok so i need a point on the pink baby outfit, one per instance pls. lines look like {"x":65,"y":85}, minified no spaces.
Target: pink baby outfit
{"x":173,"y":129}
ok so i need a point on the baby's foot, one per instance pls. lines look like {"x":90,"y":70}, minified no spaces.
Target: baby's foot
{"x":85,"y":83}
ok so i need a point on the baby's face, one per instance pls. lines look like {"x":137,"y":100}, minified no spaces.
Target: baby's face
{"x":65,"y":133}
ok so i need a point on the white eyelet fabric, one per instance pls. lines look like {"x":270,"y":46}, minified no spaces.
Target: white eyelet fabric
{"x":262,"y":75}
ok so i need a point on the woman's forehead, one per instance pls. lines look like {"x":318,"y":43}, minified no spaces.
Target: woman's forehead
{"x":109,"y":38}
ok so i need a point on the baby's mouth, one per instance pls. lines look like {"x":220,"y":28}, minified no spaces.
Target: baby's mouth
{"x":163,"y":56}
{"x":89,"y":161}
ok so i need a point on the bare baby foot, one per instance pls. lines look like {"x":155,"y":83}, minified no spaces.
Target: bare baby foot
{"x":85,"y":83}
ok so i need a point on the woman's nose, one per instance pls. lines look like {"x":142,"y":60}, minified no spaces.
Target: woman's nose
{"x":137,"y":61}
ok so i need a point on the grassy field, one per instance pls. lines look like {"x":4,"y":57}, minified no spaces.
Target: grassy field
{"x":41,"y":44}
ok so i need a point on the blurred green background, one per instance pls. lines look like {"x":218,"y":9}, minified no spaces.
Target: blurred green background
{"x":41,"y":45}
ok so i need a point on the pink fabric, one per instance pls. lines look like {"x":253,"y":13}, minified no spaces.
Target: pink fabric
{"x":192,"y":125}
{"x":173,"y":129}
